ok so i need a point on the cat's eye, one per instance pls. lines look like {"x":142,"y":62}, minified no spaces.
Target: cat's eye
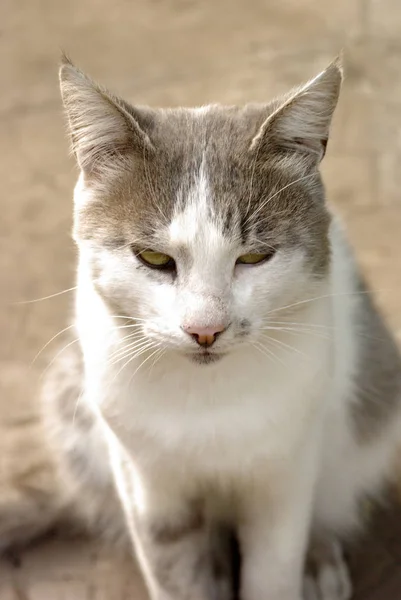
{"x":254,"y":258}
{"x":156,"y":260}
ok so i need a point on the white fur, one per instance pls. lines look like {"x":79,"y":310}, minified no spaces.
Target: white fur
{"x":249,"y":425}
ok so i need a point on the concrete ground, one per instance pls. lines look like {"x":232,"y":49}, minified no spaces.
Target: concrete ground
{"x":171,"y":52}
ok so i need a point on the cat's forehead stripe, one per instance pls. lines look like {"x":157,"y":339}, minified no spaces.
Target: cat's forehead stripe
{"x":193,"y":219}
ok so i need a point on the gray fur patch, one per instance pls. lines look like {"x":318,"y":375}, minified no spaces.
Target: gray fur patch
{"x":378,"y":380}
{"x":81,"y":450}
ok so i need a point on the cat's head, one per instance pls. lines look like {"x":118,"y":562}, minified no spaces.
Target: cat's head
{"x":201,"y":223}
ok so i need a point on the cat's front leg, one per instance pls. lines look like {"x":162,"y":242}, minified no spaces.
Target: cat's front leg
{"x":182,"y":555}
{"x":273,"y":535}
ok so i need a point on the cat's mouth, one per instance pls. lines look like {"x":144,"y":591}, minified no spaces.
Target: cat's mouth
{"x":205,"y":357}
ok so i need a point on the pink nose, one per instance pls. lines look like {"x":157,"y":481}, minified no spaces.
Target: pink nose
{"x":204,"y":336}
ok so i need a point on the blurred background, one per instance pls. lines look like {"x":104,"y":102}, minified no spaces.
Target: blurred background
{"x":177,"y":52}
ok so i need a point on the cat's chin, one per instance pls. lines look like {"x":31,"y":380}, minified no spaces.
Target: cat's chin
{"x":205,"y":358}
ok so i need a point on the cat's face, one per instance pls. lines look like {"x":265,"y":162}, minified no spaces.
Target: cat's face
{"x":202,"y":224}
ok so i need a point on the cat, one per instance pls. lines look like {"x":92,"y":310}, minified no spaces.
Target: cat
{"x":233,"y":373}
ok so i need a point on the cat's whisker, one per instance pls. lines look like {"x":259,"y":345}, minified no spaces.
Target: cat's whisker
{"x":127,"y":342}
{"x":46,"y":297}
{"x":299,"y":331}
{"x":267,"y":352}
{"x":135,"y":321}
{"x":331,"y":328}
{"x":137,"y":333}
{"x":270,"y":198}
{"x":157,"y":359}
{"x":45,"y":370}
{"x":134,"y":356}
{"x":278,"y":214}
{"x":110,"y":383}
{"x":287,"y":346}
{"x":127,"y":345}
{"x":118,"y":356}
{"x":125,"y":245}
{"x":129,"y":360}
{"x":157,"y":354}
{"x":133,"y":326}
{"x":305,"y":323}
{"x":128,"y":352}
{"x":134,"y":352}
{"x":50,"y":341}
{"x":54,"y":337}
{"x":315,"y":298}
{"x":263,"y":244}
{"x":129,"y":318}
{"x":143,"y":362}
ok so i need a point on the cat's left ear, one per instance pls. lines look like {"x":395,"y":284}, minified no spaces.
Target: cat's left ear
{"x":301,"y":121}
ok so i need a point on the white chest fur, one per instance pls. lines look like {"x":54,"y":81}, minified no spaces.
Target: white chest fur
{"x":217,"y":419}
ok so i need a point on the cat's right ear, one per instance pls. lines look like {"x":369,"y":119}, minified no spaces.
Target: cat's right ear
{"x":104,"y":131}
{"x":301,"y":121}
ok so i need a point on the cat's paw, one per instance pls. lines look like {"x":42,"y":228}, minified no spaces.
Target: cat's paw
{"x":327,"y":576}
